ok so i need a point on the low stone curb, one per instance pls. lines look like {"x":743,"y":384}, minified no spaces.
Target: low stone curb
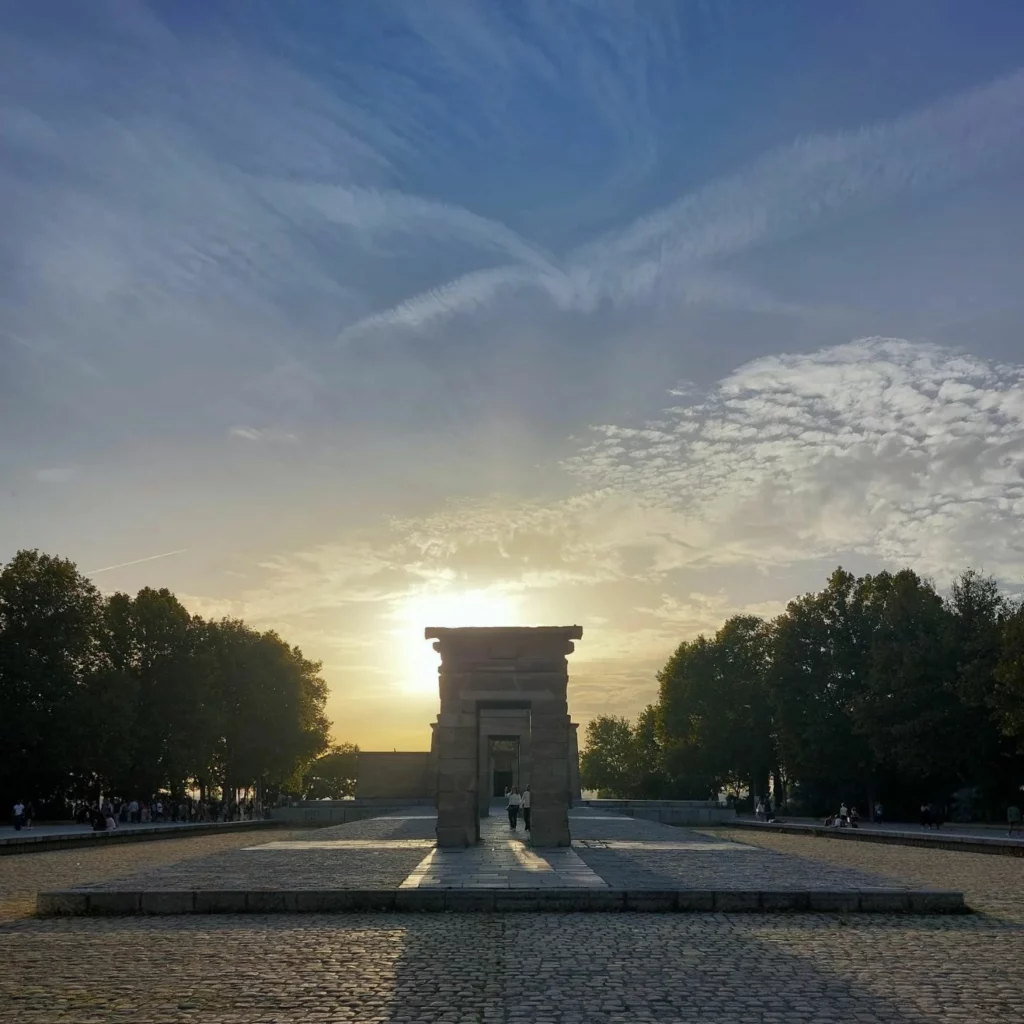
{"x":1004,"y":847}
{"x":36,"y":844}
{"x":311,"y":901}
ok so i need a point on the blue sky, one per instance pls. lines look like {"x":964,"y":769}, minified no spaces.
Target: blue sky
{"x":634,"y":315}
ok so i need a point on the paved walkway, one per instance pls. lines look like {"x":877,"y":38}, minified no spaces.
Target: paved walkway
{"x":614,"y":863}
{"x":556,"y":968}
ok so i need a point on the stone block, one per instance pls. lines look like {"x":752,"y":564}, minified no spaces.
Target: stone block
{"x":419,"y":900}
{"x":267,"y":901}
{"x":62,"y":904}
{"x":884,"y":901}
{"x":373,"y":899}
{"x":782,"y":900}
{"x":837,"y":902}
{"x":651,"y":900}
{"x":168,"y":902}
{"x":456,"y":835}
{"x":605,"y":900}
{"x":220,"y":901}
{"x":322,"y":901}
{"x":936,"y":901}
{"x":736,"y":901}
{"x":516,"y":899}
{"x":117,"y":903}
{"x":564,"y":899}
{"x":695,"y":900}
{"x":465,"y":900}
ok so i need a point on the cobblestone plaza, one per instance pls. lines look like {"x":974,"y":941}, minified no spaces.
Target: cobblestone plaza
{"x":551,"y":966}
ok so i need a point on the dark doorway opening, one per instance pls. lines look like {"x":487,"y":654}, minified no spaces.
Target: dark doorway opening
{"x":502,"y":781}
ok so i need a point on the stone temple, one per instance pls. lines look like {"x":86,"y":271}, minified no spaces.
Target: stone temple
{"x":503,"y":722}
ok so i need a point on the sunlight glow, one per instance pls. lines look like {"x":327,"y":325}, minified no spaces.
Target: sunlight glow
{"x":419,"y":660}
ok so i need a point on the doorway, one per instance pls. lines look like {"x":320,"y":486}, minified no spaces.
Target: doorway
{"x":502,"y":780}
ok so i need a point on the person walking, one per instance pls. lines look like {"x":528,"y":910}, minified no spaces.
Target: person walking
{"x":525,"y":804}
{"x":844,"y":815}
{"x":514,"y":803}
{"x":19,"y":816}
{"x":30,"y":813}
{"x":1012,"y":819}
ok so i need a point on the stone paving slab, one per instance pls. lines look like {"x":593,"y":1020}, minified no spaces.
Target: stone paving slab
{"x":390,"y":863}
{"x":68,"y":837}
{"x":990,"y":843}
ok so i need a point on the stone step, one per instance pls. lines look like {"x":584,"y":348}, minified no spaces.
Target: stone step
{"x":479,"y":899}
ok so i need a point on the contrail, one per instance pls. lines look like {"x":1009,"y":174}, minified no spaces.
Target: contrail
{"x":137,"y":561}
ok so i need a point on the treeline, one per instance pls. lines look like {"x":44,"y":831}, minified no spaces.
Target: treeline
{"x":132,"y":696}
{"x":876,"y":688}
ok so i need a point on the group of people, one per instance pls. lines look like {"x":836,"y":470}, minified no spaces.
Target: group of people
{"x":106,"y":815}
{"x":517,"y":802}
{"x":845,"y":817}
{"x":24,"y":812}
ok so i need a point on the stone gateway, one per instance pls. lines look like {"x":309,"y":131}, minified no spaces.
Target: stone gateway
{"x":504,"y":720}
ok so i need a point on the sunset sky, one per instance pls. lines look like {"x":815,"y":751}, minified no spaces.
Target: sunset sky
{"x":372,"y":316}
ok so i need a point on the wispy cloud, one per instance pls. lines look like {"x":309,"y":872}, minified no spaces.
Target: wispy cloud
{"x":135,"y":561}
{"x":785,"y":192}
{"x":261,"y":434}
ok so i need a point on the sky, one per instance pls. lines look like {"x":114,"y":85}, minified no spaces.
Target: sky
{"x":352,"y":319}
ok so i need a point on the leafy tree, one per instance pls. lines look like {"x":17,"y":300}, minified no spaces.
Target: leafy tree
{"x":127,"y":696}
{"x":49,"y":624}
{"x":608,"y":759}
{"x":332,"y":776}
{"x":715,"y":713}
{"x":1009,"y":672}
{"x":908,"y":708}
{"x":816,"y":680}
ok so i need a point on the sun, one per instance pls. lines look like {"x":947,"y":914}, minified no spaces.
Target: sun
{"x":419,"y":660}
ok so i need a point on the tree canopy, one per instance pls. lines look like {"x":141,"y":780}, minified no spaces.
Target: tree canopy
{"x":875,"y":687}
{"x":134,"y":695}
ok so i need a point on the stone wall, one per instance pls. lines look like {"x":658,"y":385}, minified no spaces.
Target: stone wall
{"x":668,"y":812}
{"x":396,"y":775}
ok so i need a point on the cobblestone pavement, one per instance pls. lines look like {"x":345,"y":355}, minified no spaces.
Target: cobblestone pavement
{"x":554,"y":968}
{"x":586,"y":969}
{"x":992,"y":884}
{"x":21,"y":877}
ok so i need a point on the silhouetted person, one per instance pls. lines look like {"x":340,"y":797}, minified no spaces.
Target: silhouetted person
{"x":514,"y":802}
{"x":526,"y":807}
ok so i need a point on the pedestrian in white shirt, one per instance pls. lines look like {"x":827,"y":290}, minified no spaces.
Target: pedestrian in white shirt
{"x":525,"y":804}
{"x":514,"y":803}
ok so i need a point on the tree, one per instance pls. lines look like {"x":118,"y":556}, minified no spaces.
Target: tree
{"x":815,"y":680}
{"x":272,"y":702}
{"x":608,"y":759}
{"x":49,"y":624}
{"x":1008,"y":698}
{"x":332,"y":776}
{"x":715,"y":714}
{"x":908,"y":709}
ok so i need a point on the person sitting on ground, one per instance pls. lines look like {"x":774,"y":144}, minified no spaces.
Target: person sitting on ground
{"x":97,"y":818}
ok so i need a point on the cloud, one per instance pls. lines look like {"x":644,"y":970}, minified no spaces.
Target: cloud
{"x":258,"y":434}
{"x":812,"y":181}
{"x":57,"y":475}
{"x":907,"y":453}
